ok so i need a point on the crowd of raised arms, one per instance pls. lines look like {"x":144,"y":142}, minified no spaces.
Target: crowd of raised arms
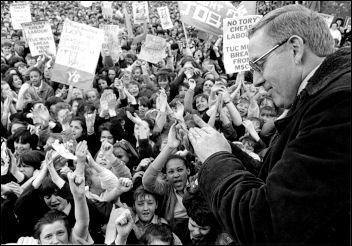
{"x":130,"y":172}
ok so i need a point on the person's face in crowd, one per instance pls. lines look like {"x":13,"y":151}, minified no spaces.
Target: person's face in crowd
{"x":133,"y":46}
{"x":21,"y":148}
{"x":111,"y":74}
{"x":142,"y":109}
{"x":201,"y":104}
{"x":91,"y":96}
{"x":15,"y":127}
{"x":242,"y":108}
{"x":280,"y":74}
{"x":101,"y":160}
{"x":6,"y":50}
{"x":163,"y":82}
{"x":107,"y":136}
{"x":122,"y":154}
{"x":47,"y":72}
{"x":75,"y":19}
{"x":133,"y":90}
{"x":22,"y":70}
{"x":77,"y":129}
{"x":208,"y":84}
{"x":15,"y":38}
{"x":177,"y":173}
{"x":267,"y":116}
{"x":126,"y":78}
{"x":27,"y":170}
{"x":198,"y":55}
{"x":129,"y":60}
{"x":182,"y":91}
{"x":35,"y":78}
{"x":48,"y":143}
{"x":55,"y":202}
{"x":189,"y":69}
{"x":145,"y":207}
{"x":102,"y":84}
{"x":197,"y":232}
{"x":137,"y":72}
{"x":31,"y":61}
{"x":77,"y":93}
{"x":174,"y":52}
{"x":74,"y":107}
{"x":54,"y":233}
{"x":256,"y":125}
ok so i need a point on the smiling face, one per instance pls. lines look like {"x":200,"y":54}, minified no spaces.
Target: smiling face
{"x":207,"y":86}
{"x":281,"y":75}
{"x":177,"y":173}
{"x":133,"y":89}
{"x":55,"y":202}
{"x":242,"y":108}
{"x":201,"y":104}
{"x":101,"y":160}
{"x":145,"y":206}
{"x":35,"y":78}
{"x":17,"y":82}
{"x":77,"y":129}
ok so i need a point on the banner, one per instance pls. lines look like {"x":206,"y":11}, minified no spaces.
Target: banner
{"x":140,"y":12}
{"x":208,"y":15}
{"x":153,"y":50}
{"x":327,"y":18}
{"x":165,"y":19}
{"x":236,"y":42}
{"x":77,"y":55}
{"x":20,"y":13}
{"x":86,"y":4}
{"x":107,"y":10}
{"x":111,"y":41}
{"x":39,"y":37}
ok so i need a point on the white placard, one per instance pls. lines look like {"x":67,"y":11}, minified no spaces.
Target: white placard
{"x":140,"y":12}
{"x":153,"y":50}
{"x":236,"y":42}
{"x":39,"y":37}
{"x":20,"y":13}
{"x":165,"y":19}
{"x":107,"y":10}
{"x":111,"y":41}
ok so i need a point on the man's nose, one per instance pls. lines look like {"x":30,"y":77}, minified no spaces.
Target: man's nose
{"x":258,"y":79}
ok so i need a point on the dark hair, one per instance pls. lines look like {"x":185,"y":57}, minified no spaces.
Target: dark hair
{"x":140,"y":191}
{"x":197,"y":96}
{"x":24,"y":136}
{"x":52,"y":101}
{"x":197,"y":208}
{"x":32,"y":158}
{"x":162,"y":232}
{"x":36,"y":70}
{"x":177,"y":157}
{"x":49,"y":218}
{"x":9,"y":80}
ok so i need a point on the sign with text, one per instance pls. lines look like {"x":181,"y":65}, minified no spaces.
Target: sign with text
{"x":165,"y":19}
{"x":20,"y":13}
{"x":327,"y":18}
{"x":208,"y":15}
{"x":39,"y":37}
{"x":236,"y":42}
{"x":153,"y":50}
{"x":140,"y":12}
{"x":111,"y":41}
{"x":77,"y":55}
{"x":107,"y":10}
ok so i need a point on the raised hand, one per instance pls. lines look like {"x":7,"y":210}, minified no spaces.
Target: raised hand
{"x":172,"y":140}
{"x":107,"y":149}
{"x":202,"y":137}
{"x":135,"y":119}
{"x":90,"y":120}
{"x":125,"y":184}
{"x":81,"y":151}
{"x":192,"y":84}
{"x":76,"y":183}
{"x":180,"y":109}
{"x":124,"y":223}
{"x":40,"y":114}
{"x":27,"y":241}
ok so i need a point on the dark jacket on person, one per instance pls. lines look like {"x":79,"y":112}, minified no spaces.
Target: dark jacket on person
{"x":301,"y":194}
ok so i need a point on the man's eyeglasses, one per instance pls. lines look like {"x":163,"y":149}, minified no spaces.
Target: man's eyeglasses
{"x":260,"y":68}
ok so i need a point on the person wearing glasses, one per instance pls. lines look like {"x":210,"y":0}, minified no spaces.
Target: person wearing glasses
{"x":300,"y":194}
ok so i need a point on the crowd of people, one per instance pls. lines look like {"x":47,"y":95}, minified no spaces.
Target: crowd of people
{"x":177,"y":152}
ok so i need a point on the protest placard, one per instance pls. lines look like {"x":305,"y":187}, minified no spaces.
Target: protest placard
{"x":111,"y":41}
{"x":236,"y":42}
{"x":140,"y":12}
{"x":107,"y":10}
{"x":165,"y":19}
{"x":153,"y":50}
{"x":208,"y":15}
{"x":86,"y":4}
{"x":20,"y":13}
{"x":77,"y":54}
{"x":327,"y":18}
{"x":39,"y":37}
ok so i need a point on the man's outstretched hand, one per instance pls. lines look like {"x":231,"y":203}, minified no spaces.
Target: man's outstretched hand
{"x":206,"y":141}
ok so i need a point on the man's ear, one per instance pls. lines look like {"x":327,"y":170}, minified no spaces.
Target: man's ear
{"x":297,"y":45}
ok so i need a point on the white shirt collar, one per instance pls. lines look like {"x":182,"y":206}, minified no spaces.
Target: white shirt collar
{"x":306,"y":79}
{"x":67,"y":209}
